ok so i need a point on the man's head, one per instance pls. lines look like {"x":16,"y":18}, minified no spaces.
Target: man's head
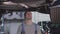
{"x":28,"y":15}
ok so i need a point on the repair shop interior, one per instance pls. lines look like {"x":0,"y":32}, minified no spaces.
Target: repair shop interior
{"x":45,"y":13}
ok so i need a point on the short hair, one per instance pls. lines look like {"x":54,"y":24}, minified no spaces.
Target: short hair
{"x":25,"y":13}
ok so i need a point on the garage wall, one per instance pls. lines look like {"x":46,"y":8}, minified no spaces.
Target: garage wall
{"x":36,"y":17}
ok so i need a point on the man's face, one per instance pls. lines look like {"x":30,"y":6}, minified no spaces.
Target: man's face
{"x":28,"y":15}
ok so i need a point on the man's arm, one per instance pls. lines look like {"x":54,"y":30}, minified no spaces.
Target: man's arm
{"x":38,"y":30}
